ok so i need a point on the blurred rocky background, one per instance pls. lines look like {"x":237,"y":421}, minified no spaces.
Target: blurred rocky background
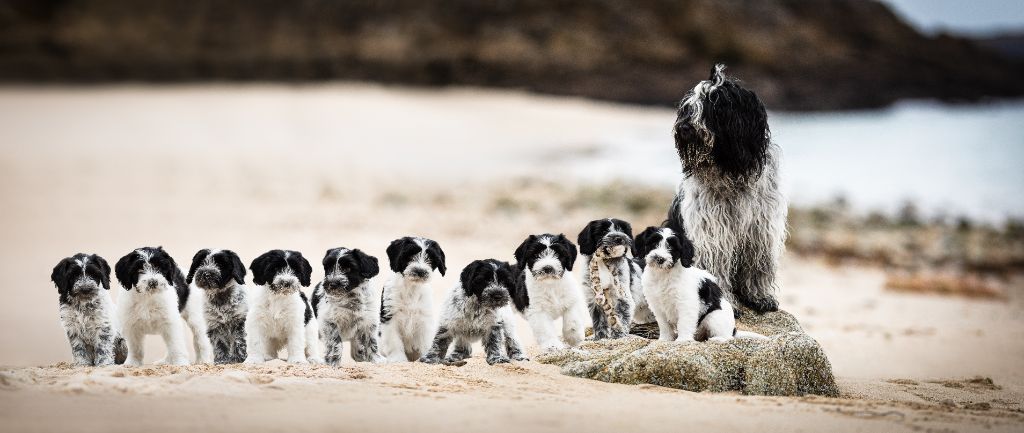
{"x":799,"y":55}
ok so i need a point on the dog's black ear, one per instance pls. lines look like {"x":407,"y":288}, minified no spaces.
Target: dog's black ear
{"x":568,"y":258}
{"x":197,"y":260}
{"x":61,"y":278}
{"x":165,"y":264}
{"x":367,"y":264}
{"x":520,"y":253}
{"x":436,"y":256}
{"x":393,"y":251}
{"x":126,"y":270}
{"x":101,"y":263}
{"x":646,"y":241}
{"x":330,"y":259}
{"x":505,"y":275}
{"x":237,"y":267}
{"x":589,"y":237}
{"x":259,"y":267}
{"x":682,"y":249}
{"x":475,"y":276}
{"x":305,"y":270}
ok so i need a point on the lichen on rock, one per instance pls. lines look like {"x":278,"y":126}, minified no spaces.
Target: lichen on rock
{"x":789,"y":362}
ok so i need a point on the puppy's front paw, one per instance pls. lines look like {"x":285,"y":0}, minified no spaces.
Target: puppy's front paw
{"x":297,"y":360}
{"x":252,"y":360}
{"x":427,"y":359}
{"x":682,"y":339}
{"x":497,"y":360}
{"x":132,"y":362}
{"x":520,"y":357}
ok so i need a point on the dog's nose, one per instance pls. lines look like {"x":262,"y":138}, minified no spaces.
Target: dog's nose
{"x":86,"y":289}
{"x":618,"y":240}
{"x":659,"y":260}
{"x":548,"y":269}
{"x":420,"y":273}
{"x":151,"y":284}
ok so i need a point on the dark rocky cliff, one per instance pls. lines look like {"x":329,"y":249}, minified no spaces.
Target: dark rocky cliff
{"x":825,"y":54}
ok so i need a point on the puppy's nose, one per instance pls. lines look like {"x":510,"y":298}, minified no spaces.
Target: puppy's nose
{"x":618,"y":240}
{"x":86,"y":289}
{"x":659,"y":260}
{"x":152,"y":284}
{"x":548,"y":269}
{"x":420,"y":273}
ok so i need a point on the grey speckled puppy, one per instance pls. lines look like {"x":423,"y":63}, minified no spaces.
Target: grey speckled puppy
{"x":86,"y":311}
{"x":478,"y":309}
{"x":346,"y":307}
{"x":220,"y":275}
{"x":609,"y":242}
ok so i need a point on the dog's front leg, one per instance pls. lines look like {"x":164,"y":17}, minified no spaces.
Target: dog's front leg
{"x":256,"y":343}
{"x":297,"y":342}
{"x":439,"y":348}
{"x":79,"y":349}
{"x":494,"y":342}
{"x":333,"y":344}
{"x":515,"y":351}
{"x":238,"y":345}
{"x":599,"y":322}
{"x":573,"y":326}
{"x":104,"y":350}
{"x":462,"y":350}
{"x":543,"y":330}
{"x":135,"y":340}
{"x":666,"y":332}
{"x":624,"y":316}
{"x":368,"y":345}
{"x":200,"y":338}
{"x":174,"y":338}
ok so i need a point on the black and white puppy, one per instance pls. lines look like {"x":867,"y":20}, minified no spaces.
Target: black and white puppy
{"x":407,"y":302}
{"x":685,"y":299}
{"x":607,"y":249}
{"x":86,"y":310}
{"x":546,"y":290}
{"x":280,"y":316}
{"x":218,"y":284}
{"x":155,"y":302}
{"x":478,"y":309}
{"x":346,"y":306}
{"x":729,"y":202}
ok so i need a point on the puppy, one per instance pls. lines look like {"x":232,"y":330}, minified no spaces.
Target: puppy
{"x":346,"y":306}
{"x":546,"y":290}
{"x":218,"y":286}
{"x":87,"y":312}
{"x":279,"y":315}
{"x":407,"y":302}
{"x":154,"y":303}
{"x":686,"y":300}
{"x":611,"y":278}
{"x":729,"y":203}
{"x":477,"y":309}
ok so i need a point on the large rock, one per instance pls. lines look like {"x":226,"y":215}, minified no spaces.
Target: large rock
{"x":789,"y":362}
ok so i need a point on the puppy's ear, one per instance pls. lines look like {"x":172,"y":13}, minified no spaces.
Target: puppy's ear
{"x":237,"y":267}
{"x":166,"y":265}
{"x":305,"y":270}
{"x":682,"y":249}
{"x":367,"y":264}
{"x":436,"y":256}
{"x":101,"y":263}
{"x":197,"y":260}
{"x":520,"y":253}
{"x":628,"y":230}
{"x":329,"y":260}
{"x":259,"y":269}
{"x":60,"y":276}
{"x":473,"y":275}
{"x":569,"y":258}
{"x":588,"y":238}
{"x":505,"y":275}
{"x":646,"y":241}
{"x":126,"y":270}
{"x":394,"y":249}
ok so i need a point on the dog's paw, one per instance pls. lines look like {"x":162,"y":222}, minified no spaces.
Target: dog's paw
{"x":252,"y":360}
{"x":762,"y":304}
{"x":498,"y":360}
{"x":430,"y":359}
{"x":520,"y":357}
{"x":130,"y":362}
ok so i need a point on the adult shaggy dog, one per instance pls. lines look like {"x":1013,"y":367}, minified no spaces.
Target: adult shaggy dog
{"x":728,"y":203}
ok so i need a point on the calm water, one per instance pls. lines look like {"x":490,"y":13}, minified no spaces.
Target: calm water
{"x":950,"y":160}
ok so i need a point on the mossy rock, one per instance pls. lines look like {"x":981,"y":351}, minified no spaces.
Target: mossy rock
{"x":789,"y":362}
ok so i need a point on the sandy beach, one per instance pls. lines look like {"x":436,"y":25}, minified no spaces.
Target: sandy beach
{"x":252,"y":168}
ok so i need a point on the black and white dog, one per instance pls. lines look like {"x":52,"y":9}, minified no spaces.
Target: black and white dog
{"x":218,"y":280}
{"x":728,"y":202}
{"x":685,"y":299}
{"x":477,"y":309}
{"x":407,"y":302}
{"x":346,"y":306}
{"x":86,"y":310}
{"x":546,"y":290}
{"x":280,"y":316}
{"x":607,"y":249}
{"x":155,"y":302}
